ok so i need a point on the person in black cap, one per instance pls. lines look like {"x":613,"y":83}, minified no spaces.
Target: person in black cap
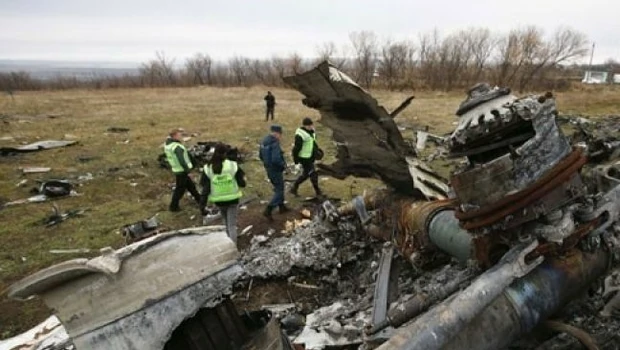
{"x":270,"y":102}
{"x":305,"y":152}
{"x":272,"y":156}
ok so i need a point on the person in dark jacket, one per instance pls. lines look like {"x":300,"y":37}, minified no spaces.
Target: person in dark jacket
{"x":221,"y":182}
{"x":304,"y":153}
{"x":270,"y":102}
{"x":181,"y":164}
{"x":273,"y":159}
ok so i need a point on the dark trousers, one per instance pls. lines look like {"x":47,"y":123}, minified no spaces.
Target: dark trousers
{"x":277,"y":180}
{"x":184,"y":183}
{"x":309,"y":172}
{"x":269,"y":112}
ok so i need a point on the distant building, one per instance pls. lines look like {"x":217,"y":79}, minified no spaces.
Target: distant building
{"x":594,"y":77}
{"x":616,"y":79}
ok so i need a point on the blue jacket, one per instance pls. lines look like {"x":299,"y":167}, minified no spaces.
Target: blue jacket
{"x":271,"y":154}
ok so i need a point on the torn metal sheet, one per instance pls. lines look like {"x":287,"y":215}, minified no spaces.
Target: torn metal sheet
{"x":168,"y":275}
{"x":34,"y":147}
{"x":368,"y":141}
{"x":49,"y":334}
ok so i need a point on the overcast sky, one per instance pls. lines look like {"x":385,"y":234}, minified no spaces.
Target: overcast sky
{"x":132,"y":30}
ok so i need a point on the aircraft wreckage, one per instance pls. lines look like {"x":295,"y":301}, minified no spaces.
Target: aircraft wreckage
{"x":520,"y":233}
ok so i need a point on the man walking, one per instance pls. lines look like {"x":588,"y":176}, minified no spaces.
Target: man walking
{"x":305,"y":153}
{"x":181,"y":165}
{"x":273,"y":159}
{"x":270,"y":102}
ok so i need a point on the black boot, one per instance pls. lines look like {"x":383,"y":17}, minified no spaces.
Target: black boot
{"x":267,"y":213}
{"x":284,"y":209}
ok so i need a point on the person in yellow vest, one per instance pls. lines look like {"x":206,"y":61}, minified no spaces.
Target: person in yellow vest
{"x":222,"y":181}
{"x":180,"y":163}
{"x":305,"y":152}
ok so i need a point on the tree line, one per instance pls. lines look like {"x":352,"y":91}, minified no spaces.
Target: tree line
{"x":524,"y":58}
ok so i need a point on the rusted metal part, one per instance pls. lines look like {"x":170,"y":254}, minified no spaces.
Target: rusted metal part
{"x":563,"y":179}
{"x":532,"y":299}
{"x":435,"y":328}
{"x":517,"y":310}
{"x":412,"y":234}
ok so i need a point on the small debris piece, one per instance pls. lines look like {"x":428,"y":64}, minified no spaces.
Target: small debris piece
{"x":70,"y":251}
{"x":306,"y":286}
{"x":117,"y":129}
{"x":306,"y":214}
{"x":57,"y":217}
{"x":140,"y":230}
{"x":246,"y":230}
{"x":22,"y":183}
{"x":36,"y":170}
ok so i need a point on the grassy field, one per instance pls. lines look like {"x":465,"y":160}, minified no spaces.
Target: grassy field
{"x":129,"y":185}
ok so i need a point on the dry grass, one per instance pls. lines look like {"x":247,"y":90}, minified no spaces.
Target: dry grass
{"x":232,"y":115}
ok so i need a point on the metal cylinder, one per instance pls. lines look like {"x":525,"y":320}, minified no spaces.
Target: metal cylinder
{"x":445,"y":233}
{"x":523,"y":305}
{"x":530,"y":300}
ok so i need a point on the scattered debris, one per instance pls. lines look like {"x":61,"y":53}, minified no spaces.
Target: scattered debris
{"x":22,"y":183}
{"x":57,"y":217}
{"x":291,"y":226}
{"x":34,"y":147}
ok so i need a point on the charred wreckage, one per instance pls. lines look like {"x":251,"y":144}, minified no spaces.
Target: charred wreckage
{"x":526,"y":230}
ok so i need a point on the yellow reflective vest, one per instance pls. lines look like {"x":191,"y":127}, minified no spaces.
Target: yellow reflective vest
{"x":308,"y":143}
{"x":224,"y":186}
{"x":172,"y":159}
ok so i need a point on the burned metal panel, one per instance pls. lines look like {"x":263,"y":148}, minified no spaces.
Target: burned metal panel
{"x":147,"y":288}
{"x":488,"y":182}
{"x":368,"y":140}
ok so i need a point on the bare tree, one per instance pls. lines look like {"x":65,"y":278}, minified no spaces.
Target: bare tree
{"x":159,"y":71}
{"x":396,"y":62}
{"x":481,"y":45}
{"x":199,"y":68}
{"x":365,"y":48}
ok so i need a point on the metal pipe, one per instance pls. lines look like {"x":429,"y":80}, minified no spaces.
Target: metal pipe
{"x":445,"y":233}
{"x":435,"y":328}
{"x":521,"y":307}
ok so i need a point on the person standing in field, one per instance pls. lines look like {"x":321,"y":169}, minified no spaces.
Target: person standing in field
{"x":272,"y":156}
{"x":180,"y":164}
{"x":270,"y":104}
{"x":305,"y":152}
{"x":222,"y":181}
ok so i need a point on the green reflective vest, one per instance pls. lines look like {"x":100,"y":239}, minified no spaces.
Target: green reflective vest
{"x":169,"y":150}
{"x":224,"y":186}
{"x":308,"y":146}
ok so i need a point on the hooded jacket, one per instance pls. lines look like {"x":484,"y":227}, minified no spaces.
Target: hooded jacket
{"x":271,"y":154}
